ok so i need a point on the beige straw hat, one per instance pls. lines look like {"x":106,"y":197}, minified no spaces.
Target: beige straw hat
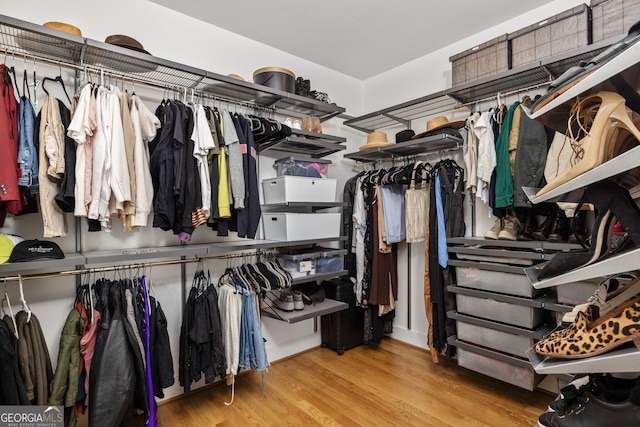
{"x":375,"y":140}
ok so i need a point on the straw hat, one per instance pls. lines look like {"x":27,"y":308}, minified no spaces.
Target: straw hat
{"x":440,"y":122}
{"x":235,"y":76}
{"x":61,"y":26}
{"x":375,"y":140}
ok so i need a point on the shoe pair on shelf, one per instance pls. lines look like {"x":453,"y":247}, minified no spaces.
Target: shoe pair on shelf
{"x":289,"y":300}
{"x":311,"y":124}
{"x":609,"y":294}
{"x":600,"y":127}
{"x":595,"y":400}
{"x":612,"y":203}
{"x":506,"y":228}
{"x":557,"y":228}
{"x":592,"y":334}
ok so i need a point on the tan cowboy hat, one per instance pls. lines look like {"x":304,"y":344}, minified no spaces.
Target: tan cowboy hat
{"x":61,"y":26}
{"x":375,"y":140}
{"x":439,"y":122}
{"x":125,"y":41}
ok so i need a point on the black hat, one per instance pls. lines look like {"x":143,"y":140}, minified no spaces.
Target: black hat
{"x":404,"y":135}
{"x":31,"y":250}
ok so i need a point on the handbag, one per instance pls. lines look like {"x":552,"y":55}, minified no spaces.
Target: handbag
{"x":416,"y":204}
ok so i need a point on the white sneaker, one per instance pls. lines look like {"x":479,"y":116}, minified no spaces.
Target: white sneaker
{"x":285,"y":300}
{"x":605,"y":300}
{"x":492,"y":233}
{"x":298,"y":304}
{"x":511,"y":228}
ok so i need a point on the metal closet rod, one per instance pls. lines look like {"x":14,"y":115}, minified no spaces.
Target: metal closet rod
{"x":500,"y":94}
{"x":410,"y":158}
{"x":125,"y":266}
{"x":147,"y":82}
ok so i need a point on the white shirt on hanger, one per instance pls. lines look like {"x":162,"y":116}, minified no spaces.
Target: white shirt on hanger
{"x":203,"y":142}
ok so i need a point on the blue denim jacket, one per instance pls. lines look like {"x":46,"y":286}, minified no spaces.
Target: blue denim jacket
{"x":27,"y":154}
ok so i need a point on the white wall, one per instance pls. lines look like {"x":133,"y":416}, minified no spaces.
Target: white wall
{"x":183,"y":39}
{"x":423,"y":76}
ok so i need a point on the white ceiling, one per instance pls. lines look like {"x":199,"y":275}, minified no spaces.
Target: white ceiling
{"x":360,"y":38}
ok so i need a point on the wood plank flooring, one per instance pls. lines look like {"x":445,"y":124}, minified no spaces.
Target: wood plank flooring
{"x":392,"y":384}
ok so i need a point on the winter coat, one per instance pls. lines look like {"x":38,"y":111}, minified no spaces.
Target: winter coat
{"x":64,"y":388}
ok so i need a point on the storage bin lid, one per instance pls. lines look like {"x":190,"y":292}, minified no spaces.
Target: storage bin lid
{"x":300,"y":257}
{"x":332,"y":253}
{"x":291,"y":159}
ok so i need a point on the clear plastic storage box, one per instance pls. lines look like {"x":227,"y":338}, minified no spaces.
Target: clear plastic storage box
{"x":302,"y":166}
{"x":330,"y":260}
{"x":299,"y":265}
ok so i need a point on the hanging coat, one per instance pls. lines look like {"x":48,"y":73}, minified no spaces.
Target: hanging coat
{"x":12,"y":390}
{"x":113,"y":380}
{"x":64,"y":388}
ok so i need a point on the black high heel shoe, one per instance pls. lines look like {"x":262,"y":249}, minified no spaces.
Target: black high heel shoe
{"x":612,"y":202}
{"x":600,"y":246}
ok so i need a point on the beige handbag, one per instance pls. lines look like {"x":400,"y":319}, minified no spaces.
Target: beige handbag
{"x":416,"y":204}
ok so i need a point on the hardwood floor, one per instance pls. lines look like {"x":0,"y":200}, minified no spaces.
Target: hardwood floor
{"x":393,"y":384}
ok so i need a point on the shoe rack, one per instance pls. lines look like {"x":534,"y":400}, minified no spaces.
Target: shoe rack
{"x":626,"y":359}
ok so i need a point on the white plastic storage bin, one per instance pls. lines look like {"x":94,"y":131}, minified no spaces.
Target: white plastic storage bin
{"x":299,"y":265}
{"x":284,"y":189}
{"x":288,"y":226}
{"x":302,"y":166}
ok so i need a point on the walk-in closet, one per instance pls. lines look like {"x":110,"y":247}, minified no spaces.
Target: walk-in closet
{"x":320,"y":214}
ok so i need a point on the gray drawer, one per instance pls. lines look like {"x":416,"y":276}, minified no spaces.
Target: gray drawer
{"x":495,"y":339}
{"x":515,"y":311}
{"x":496,"y":365}
{"x":494,"y":278}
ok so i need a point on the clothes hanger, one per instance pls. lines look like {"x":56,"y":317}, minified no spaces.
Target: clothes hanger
{"x":25,"y":85}
{"x":25,"y":306}
{"x":13,"y":318}
{"x":35,"y":84}
{"x":57,"y":79}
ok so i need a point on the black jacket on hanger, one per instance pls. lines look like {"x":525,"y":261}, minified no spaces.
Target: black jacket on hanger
{"x":249,"y":217}
{"x":12,"y":391}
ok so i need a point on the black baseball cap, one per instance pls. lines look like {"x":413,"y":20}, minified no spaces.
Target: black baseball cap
{"x":31,"y":250}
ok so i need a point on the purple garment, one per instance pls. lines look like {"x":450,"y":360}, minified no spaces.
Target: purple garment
{"x":152,"y":419}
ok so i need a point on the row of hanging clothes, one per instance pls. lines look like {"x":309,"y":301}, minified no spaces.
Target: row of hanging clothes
{"x":114,"y":356}
{"x":25,"y":364}
{"x":102,"y":154}
{"x":384,"y":207}
{"x":220,"y":333}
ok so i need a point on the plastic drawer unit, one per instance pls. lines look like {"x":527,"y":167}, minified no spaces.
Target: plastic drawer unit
{"x":287,"y":226}
{"x":505,"y":279}
{"x":522,"y":312}
{"x":285,"y":189}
